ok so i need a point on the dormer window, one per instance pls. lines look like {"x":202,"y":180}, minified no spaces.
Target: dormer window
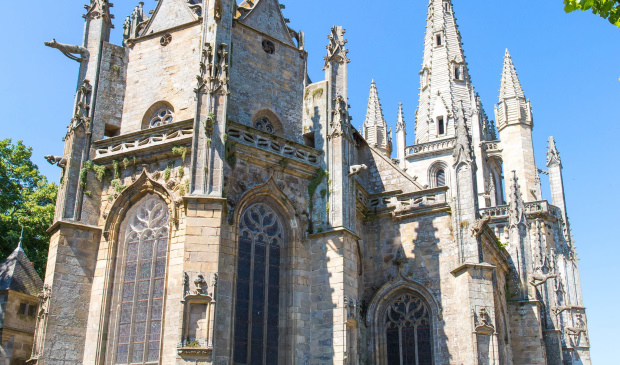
{"x":441,"y":126}
{"x":458,"y":72}
{"x":438,"y":40}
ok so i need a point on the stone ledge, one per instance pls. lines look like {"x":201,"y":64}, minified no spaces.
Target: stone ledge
{"x":77,"y":225}
{"x":471,"y":265}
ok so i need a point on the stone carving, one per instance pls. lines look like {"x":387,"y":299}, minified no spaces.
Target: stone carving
{"x":483,"y":321}
{"x":221,"y":74}
{"x":478,"y":227}
{"x":462,"y":148}
{"x":39,"y":332}
{"x":206,"y":67}
{"x":340,"y":123}
{"x":357,"y":169}
{"x":70,"y":51}
{"x":56,"y":160}
{"x":578,"y":329}
{"x":516,"y":207}
{"x":353,"y":309}
{"x":98,"y":9}
{"x":195,"y":6}
{"x":82,"y":107}
{"x":539,"y":279}
{"x":217,"y":10}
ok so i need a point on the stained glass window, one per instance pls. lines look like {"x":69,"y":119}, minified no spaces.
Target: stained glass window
{"x":258,"y":287}
{"x":408,"y":332}
{"x":142,"y":289}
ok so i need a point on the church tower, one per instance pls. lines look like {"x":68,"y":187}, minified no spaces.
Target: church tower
{"x":375,"y":127}
{"x":445,"y":81}
{"x":515,"y":124}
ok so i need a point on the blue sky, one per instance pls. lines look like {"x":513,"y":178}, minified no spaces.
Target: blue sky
{"x":568,"y":66}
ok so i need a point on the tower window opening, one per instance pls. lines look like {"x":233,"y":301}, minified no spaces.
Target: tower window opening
{"x":457,"y":73}
{"x":441,"y":127}
{"x":438,"y":39}
{"x":440,"y":178}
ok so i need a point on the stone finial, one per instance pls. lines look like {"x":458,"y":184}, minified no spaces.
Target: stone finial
{"x":553,"y":155}
{"x":400,"y":124}
{"x":336,"y":49}
{"x":375,"y":127}
{"x":21,"y":237}
{"x":98,"y":9}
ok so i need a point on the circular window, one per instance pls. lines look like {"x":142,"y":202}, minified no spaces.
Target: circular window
{"x":163,"y":116}
{"x":165,"y":40}
{"x":269,"y":47}
{"x":264,"y":125}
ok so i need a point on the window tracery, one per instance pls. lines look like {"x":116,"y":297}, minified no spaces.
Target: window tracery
{"x":264,"y":124}
{"x":142,"y":272}
{"x":258,"y":287}
{"x":408,"y":331}
{"x":163,"y":116}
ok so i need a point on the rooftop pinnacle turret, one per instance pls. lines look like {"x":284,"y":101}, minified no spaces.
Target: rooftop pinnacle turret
{"x":444,"y":79}
{"x":375,"y":127}
{"x":513,"y":107}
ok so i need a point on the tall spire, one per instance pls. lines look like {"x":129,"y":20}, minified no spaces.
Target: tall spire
{"x":375,"y":127}
{"x":513,"y":107}
{"x":445,"y":80}
{"x":21,"y":237}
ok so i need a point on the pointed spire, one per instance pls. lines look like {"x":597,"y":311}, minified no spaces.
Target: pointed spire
{"x":553,"y":155}
{"x":400,"y":124}
{"x":507,"y":111}
{"x":375,"y":127}
{"x":511,"y":86}
{"x":21,"y":237}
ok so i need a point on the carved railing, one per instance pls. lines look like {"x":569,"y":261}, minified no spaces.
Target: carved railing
{"x":268,"y":142}
{"x":175,"y":133}
{"x":491,"y":147}
{"x":436,"y":146}
{"x":402,"y":203}
{"x":531,"y":208}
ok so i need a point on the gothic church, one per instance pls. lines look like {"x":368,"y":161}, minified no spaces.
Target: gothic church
{"x":217,"y":207}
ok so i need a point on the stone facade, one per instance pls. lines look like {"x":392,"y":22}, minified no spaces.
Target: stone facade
{"x":217,"y":207}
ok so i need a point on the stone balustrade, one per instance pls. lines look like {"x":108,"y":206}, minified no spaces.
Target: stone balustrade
{"x":170,"y":134}
{"x":430,"y":147}
{"x":531,"y":208}
{"x":269,"y":142}
{"x":403,"y":203}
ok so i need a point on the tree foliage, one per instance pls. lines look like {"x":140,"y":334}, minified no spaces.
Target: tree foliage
{"x":26,"y":199}
{"x":607,"y":9}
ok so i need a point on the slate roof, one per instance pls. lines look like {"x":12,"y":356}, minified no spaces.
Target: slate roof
{"x":18,"y":274}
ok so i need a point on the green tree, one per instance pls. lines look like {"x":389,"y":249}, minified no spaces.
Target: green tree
{"x":607,"y":9}
{"x":26,"y":199}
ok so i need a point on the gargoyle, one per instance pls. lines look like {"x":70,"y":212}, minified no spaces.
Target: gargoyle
{"x":558,"y":310}
{"x":56,"y":160}
{"x":70,"y":51}
{"x":357,"y":169}
{"x":478,"y":227}
{"x":539,"y":279}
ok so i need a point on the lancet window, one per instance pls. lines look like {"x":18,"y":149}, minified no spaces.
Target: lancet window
{"x":258,"y":287}
{"x":140,"y":292}
{"x":408,"y":331}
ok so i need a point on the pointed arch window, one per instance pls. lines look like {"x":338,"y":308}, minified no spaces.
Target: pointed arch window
{"x":140,"y":291}
{"x":257,"y":309}
{"x":408,"y":331}
{"x":438,"y":40}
